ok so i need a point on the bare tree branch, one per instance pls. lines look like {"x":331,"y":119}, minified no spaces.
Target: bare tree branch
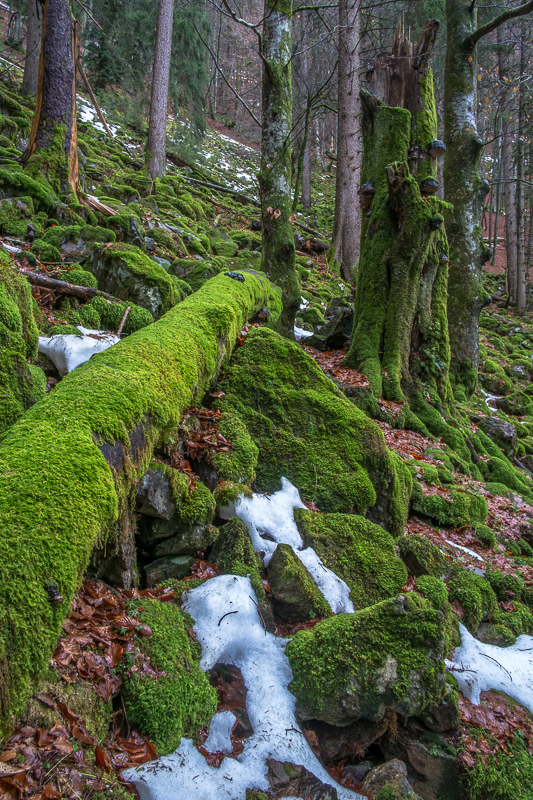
{"x":510,"y":13}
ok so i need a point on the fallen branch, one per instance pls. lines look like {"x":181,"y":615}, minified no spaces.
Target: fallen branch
{"x":83,"y":292}
{"x":93,"y":99}
{"x":95,"y":205}
{"x":226,"y":190}
{"x":123,"y":320}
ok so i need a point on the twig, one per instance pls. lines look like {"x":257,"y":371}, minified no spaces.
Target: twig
{"x":93,"y":98}
{"x":123,"y":320}
{"x":83,"y":292}
{"x":498,"y":663}
{"x":226,"y":615}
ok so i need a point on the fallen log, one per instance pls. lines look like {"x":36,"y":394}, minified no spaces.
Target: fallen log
{"x":69,"y":466}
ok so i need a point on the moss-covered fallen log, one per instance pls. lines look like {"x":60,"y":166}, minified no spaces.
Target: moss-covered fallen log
{"x":68,"y":466}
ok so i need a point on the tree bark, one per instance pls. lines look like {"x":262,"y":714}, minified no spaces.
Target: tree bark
{"x":278,"y":258}
{"x":157,"y":130}
{"x":463,"y":185}
{"x":306,"y":176}
{"x":400,"y":334}
{"x":53,"y":144}
{"x":347,"y":222}
{"x":34,"y":32}
{"x":521,"y":265}
{"x":72,"y":463}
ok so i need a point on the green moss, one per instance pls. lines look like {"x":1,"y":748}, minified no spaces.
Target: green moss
{"x":111,"y":315}
{"x":486,"y":536}
{"x":358,"y":551}
{"x":502,"y":471}
{"x":57,"y":492}
{"x":57,"y":236}
{"x":15,"y":213}
{"x":194,"y":505}
{"x":46,"y":252}
{"x":15,"y":182}
{"x":420,"y":555}
{"x":239,"y":463}
{"x":460,"y":508}
{"x":79,"y":277}
{"x":499,"y":488}
{"x":433,"y":590}
{"x":307,"y":431}
{"x":179,"y":702}
{"x":342,"y":658}
{"x":475,"y":595}
{"x":519,"y":620}
{"x":234,"y":554}
{"x":501,"y":774}
{"x":226,"y":493}
{"x":295,"y":593}
{"x":430,"y":474}
{"x":505,"y":587}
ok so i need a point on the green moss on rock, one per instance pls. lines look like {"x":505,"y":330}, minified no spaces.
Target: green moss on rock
{"x":295,"y":594}
{"x":239,"y":463}
{"x":358,"y":551}
{"x":357,"y":665}
{"x":234,"y":554}
{"x":459,"y":508}
{"x":180,"y":701}
{"x":475,"y":595}
{"x":420,"y":555}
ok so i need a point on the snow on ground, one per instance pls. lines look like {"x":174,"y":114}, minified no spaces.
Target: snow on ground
{"x":465,"y":549}
{"x":480,"y":667}
{"x":272,"y":516}
{"x":230,"y":631}
{"x":299,"y":333}
{"x":70,"y":351}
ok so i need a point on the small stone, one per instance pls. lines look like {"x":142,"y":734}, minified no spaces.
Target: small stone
{"x":150,"y":244}
{"x":392,"y":773}
{"x":153,"y":495}
{"x":501,"y":433}
{"x":166,"y":568}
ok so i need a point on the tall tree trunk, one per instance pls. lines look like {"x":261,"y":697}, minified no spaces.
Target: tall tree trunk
{"x":347,"y":223}
{"x":463,"y":186}
{"x":306,"y":176}
{"x":156,"y":146}
{"x":521,"y":267}
{"x":508,"y":176}
{"x":400,"y":333}
{"x":278,"y":259}
{"x":34,"y":33}
{"x":301,"y":159}
{"x":53,"y":144}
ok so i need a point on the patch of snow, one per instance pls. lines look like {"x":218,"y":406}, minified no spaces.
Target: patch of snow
{"x":219,"y":739}
{"x":304,"y":303}
{"x":270,"y":521}
{"x":10,"y":248}
{"x":299,"y":333}
{"x":480,"y":667}
{"x":70,"y":351}
{"x":230,"y":631}
{"x":466,"y":549}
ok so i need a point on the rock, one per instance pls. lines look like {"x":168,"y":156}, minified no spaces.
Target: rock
{"x":386,"y":657}
{"x":444,"y":715}
{"x":256,"y":225}
{"x":288,"y":779}
{"x":188,"y":540}
{"x":136,"y":234}
{"x":435,"y":760}
{"x":154,"y":496}
{"x":498,"y":635}
{"x":150,"y":244}
{"x":299,"y":240}
{"x":295,"y":595}
{"x":421,"y":556}
{"x":168,"y":567}
{"x":349,"y":742}
{"x":221,"y":243}
{"x":335,"y":333}
{"x":392,"y":774}
{"x":357,"y":772}
{"x":15,"y":213}
{"x":516,"y":404}
{"x":502,"y":433}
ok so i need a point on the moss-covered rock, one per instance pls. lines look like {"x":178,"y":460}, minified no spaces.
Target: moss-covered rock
{"x":356,"y":666}
{"x":111,"y":314}
{"x":15,"y":213}
{"x":458,"y":508}
{"x":238,"y":464}
{"x":129,"y":274}
{"x":233,"y":553}
{"x":502,"y":471}
{"x":358,"y":551}
{"x":295,"y":595}
{"x":486,"y":536}
{"x":221,"y":243}
{"x":179,"y":700}
{"x":308,"y":432}
{"x":420,"y":555}
{"x":475,"y":595}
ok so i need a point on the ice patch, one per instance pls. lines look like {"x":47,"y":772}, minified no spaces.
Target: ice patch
{"x":465,"y":549}
{"x":70,"y":351}
{"x":219,"y":739}
{"x":230,"y":631}
{"x":270,"y":521}
{"x":479,"y":667}
{"x":299,"y":333}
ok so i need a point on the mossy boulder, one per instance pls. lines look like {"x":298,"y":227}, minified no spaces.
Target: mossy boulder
{"x":502,"y":471}
{"x":15,"y":214}
{"x":110,"y":315}
{"x":475,"y":595}
{"x":295,"y":595}
{"x":502,"y":433}
{"x":353,"y":666}
{"x":178,"y":700}
{"x":129,"y":274}
{"x":308,"y":432}
{"x":221,"y":243}
{"x":75,"y":241}
{"x":233,"y":553}
{"x":358,"y":551}
{"x":456,"y":508}
{"x":420,"y":555}
{"x":238,"y":464}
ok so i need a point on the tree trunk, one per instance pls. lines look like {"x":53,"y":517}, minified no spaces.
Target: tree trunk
{"x":301,"y":159}
{"x":306,"y":176}
{"x":278,"y":259}
{"x":347,"y":223}
{"x":34,"y":33}
{"x":53,"y":144}
{"x":521,"y":266}
{"x":156,"y":146}
{"x":72,"y":463}
{"x":508,"y":177}
{"x":400,"y":334}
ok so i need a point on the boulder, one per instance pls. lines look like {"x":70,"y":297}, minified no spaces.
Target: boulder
{"x":421,"y":556}
{"x":335,"y":333}
{"x":353,"y":666}
{"x":190,"y":539}
{"x":502,"y":433}
{"x":221,"y":243}
{"x":295,"y":595}
{"x":393,"y":775}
